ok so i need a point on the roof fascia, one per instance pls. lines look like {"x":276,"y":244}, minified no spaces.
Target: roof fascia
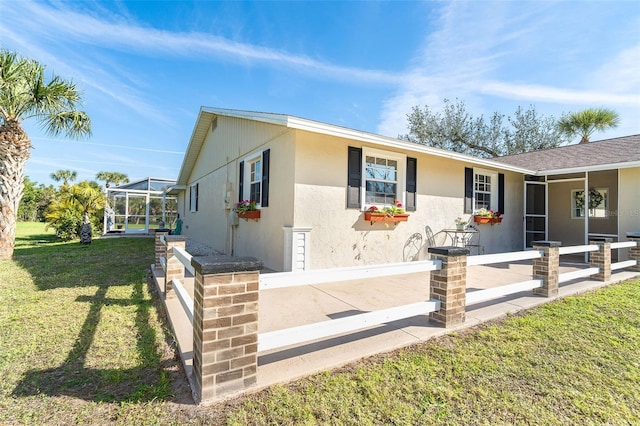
{"x":328,"y":129}
{"x":595,"y":168}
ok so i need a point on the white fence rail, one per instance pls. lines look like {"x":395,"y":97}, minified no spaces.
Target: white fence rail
{"x":582,"y":273}
{"x":183,"y":295}
{"x":478,"y":296}
{"x":293,"y":279}
{"x":513,"y":256}
{"x":185,"y":300}
{"x":578,"y":249}
{"x":623,"y":264}
{"x":623,"y":244}
{"x":305,"y":333}
{"x":184,"y":258}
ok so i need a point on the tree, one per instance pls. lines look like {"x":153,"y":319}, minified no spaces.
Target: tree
{"x":65,"y":176}
{"x":584,"y":123}
{"x":24,"y":94}
{"x":75,"y":210}
{"x":115,"y":178}
{"x":455,"y":129}
{"x":35,"y":200}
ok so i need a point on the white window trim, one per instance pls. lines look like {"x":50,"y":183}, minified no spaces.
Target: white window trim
{"x":587,"y":210}
{"x":402,"y":175}
{"x":246,"y":191}
{"x":494,"y":188}
{"x":192,"y":200}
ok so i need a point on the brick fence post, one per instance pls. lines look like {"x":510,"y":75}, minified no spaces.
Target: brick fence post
{"x":225,"y":326}
{"x":449,"y":285}
{"x":160,"y":249}
{"x":601,"y":259}
{"x":175,"y":268}
{"x":634,"y":252}
{"x":547,"y":267}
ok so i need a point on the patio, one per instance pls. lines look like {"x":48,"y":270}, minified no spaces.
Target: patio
{"x":294,"y":306}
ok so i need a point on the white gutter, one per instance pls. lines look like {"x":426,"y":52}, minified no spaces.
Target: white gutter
{"x":594,"y":168}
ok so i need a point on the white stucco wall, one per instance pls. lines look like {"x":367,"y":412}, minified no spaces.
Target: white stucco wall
{"x":216,"y":172}
{"x":340,"y":236}
{"x":629,"y":212}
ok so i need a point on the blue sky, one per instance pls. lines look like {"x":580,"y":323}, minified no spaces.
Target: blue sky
{"x":146,"y":68}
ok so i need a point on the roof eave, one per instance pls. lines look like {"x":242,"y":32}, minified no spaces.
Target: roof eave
{"x":593,"y":168}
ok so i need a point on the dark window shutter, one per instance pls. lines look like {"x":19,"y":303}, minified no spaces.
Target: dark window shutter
{"x":241,"y":181}
{"x":412,"y":184}
{"x":468,"y":190}
{"x":501,"y":192}
{"x":265,"y":178}
{"x":354,"y":175}
{"x":197,"y":187}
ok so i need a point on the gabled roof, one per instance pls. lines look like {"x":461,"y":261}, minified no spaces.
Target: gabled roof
{"x":208,"y":115}
{"x":616,"y":153}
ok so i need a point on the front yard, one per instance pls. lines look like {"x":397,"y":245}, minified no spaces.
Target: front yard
{"x":81,"y":342}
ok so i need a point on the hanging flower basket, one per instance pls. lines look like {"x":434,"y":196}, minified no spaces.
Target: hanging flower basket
{"x":385,"y":217}
{"x":250,"y":214}
{"x":487,"y":219}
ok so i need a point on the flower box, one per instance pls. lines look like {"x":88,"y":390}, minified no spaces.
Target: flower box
{"x":385,"y":217}
{"x":251,"y":214}
{"x":487,"y":219}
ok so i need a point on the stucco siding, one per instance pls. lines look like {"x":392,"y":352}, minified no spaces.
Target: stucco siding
{"x":562,"y":227}
{"x":216,"y":173}
{"x":629,"y":207}
{"x":341,"y":237}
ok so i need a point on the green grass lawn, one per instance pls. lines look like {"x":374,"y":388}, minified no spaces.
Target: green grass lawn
{"x":81,"y":342}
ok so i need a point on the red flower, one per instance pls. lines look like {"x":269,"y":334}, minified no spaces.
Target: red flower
{"x":373,"y":209}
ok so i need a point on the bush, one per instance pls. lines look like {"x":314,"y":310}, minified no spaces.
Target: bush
{"x":67,"y":224}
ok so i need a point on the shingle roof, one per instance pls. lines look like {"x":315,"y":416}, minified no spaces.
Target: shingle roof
{"x":605,"y":152}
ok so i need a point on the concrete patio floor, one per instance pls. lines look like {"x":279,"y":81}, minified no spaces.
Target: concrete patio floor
{"x":294,"y":306}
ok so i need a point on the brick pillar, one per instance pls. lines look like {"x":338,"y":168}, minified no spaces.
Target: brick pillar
{"x":634,"y":252}
{"x":601,"y":259}
{"x":225,"y":326}
{"x":449,"y":285}
{"x":547,"y":267}
{"x":175,"y":268}
{"x":160,"y":248}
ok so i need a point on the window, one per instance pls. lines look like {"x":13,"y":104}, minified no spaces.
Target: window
{"x":598,"y":203}
{"x":253,"y":183}
{"x":193,"y":198}
{"x":483,"y":189}
{"x":378,"y":178}
{"x":255,"y":180}
{"x":482,"y":185}
{"x":381,"y":180}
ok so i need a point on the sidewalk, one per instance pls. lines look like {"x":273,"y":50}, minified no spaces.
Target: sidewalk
{"x":293,"y":306}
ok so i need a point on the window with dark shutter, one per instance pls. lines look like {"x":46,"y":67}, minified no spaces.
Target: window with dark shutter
{"x":412,"y":185}
{"x":468,"y":190}
{"x":501,"y":193}
{"x":241,"y":181}
{"x":354,"y":177}
{"x":265,"y":178}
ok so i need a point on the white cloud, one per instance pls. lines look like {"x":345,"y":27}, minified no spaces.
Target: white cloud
{"x":505,"y":52}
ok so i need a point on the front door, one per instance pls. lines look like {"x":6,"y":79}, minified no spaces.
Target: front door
{"x":535,"y":212}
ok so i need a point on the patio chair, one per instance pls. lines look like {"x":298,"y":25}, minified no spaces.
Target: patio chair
{"x":412,"y":248}
{"x":474,"y":241}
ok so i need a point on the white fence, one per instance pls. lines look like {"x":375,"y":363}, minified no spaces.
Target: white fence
{"x":305,"y":333}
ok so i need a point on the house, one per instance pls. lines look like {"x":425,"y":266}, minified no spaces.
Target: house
{"x":313,"y":183}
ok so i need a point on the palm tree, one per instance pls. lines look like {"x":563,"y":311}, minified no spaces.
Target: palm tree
{"x":584,"y":123}
{"x":65,"y":176}
{"x":24,"y":94}
{"x":115,"y":178}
